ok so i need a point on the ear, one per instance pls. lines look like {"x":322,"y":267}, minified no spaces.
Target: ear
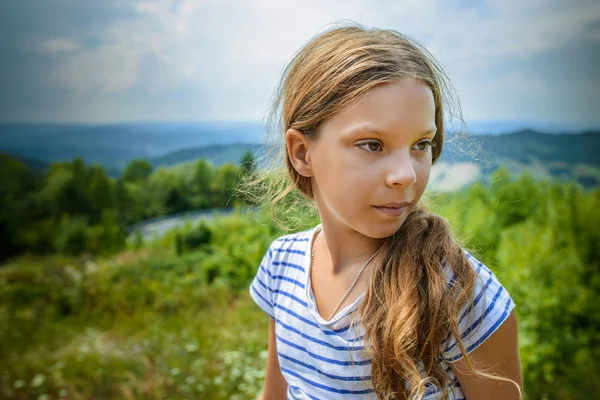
{"x":297,"y":146}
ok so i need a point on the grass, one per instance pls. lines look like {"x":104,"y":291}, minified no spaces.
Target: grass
{"x":111,"y":341}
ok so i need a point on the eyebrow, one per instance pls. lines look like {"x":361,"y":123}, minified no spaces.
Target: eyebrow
{"x":380,"y":132}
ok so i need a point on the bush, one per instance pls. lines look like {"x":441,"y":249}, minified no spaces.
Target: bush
{"x":73,"y":235}
{"x":194,"y":239}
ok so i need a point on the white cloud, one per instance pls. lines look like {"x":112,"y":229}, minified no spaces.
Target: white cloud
{"x":108,"y":69}
{"x":57,"y":45}
{"x":233,"y":51}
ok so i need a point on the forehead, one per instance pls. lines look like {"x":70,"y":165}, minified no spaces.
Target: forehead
{"x":403,"y":106}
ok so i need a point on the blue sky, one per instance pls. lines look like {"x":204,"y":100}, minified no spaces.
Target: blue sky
{"x":162,"y":60}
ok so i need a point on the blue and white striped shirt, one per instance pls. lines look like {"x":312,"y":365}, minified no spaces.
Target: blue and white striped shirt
{"x":324,"y":359}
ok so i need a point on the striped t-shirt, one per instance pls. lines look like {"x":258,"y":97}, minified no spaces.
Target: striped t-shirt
{"x":322,"y":359}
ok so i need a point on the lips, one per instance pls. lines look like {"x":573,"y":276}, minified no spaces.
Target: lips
{"x":392,"y":209}
{"x":394,"y":205}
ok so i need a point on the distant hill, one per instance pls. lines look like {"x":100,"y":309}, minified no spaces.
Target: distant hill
{"x":39,"y":167}
{"x":542,"y":155}
{"x":555,"y":155}
{"x":217,"y":154}
{"x":115,"y":145}
{"x":527,"y":145}
{"x":36,"y":166}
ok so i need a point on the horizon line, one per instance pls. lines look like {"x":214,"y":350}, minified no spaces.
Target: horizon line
{"x":509,"y":125}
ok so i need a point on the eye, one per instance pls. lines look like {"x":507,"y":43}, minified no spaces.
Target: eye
{"x":372,"y":146}
{"x":422,"y":146}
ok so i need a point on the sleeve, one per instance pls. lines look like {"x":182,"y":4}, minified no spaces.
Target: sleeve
{"x":479,"y":318}
{"x":261,"y":288}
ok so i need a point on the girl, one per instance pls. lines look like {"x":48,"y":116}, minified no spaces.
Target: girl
{"x":377,"y":300}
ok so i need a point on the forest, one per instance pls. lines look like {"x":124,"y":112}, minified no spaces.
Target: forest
{"x":72,"y":208}
{"x":88,"y":310}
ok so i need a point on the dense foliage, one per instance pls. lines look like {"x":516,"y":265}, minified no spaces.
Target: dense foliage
{"x":541,"y":239}
{"x":74,"y":208}
{"x":172,"y":318}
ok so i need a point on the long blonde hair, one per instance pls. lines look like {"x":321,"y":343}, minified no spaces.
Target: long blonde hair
{"x":409,"y":308}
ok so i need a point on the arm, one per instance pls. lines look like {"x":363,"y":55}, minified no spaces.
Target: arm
{"x":275,"y":385}
{"x":497,"y":355}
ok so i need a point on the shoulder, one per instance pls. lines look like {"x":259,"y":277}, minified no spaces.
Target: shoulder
{"x":291,"y":241}
{"x":481,"y":270}
{"x":292,"y":247}
{"x":488,"y":291}
{"x":484,"y":276}
{"x":481,"y":315}
{"x":282,"y":264}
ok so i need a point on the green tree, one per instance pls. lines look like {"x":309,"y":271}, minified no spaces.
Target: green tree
{"x":137,"y":170}
{"x":201,"y":185}
{"x":17,"y":185}
{"x":72,"y":236}
{"x":124,"y":204}
{"x":176,"y":201}
{"x":100,"y":193}
{"x":248,"y":163}
{"x":223,"y":185}
{"x":107,"y":236}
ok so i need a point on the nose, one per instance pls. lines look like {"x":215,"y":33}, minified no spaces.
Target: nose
{"x":401,"y":171}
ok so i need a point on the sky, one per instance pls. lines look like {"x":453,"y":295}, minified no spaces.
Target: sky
{"x":110,"y":61}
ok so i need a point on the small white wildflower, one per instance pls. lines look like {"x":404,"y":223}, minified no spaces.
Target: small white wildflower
{"x":90,"y":267}
{"x":192,"y":346}
{"x":218,"y":380}
{"x":43,"y":397}
{"x":189,"y":380}
{"x":19,"y":383}
{"x":59,"y":365}
{"x":38,"y":380}
{"x":73,"y":273}
{"x":174,"y":371}
{"x":63,"y":392}
{"x":198,"y":363}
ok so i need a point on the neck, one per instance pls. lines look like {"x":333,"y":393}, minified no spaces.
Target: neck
{"x":346,"y":248}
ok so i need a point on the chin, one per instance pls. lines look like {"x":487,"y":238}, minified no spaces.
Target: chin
{"x":385,"y":230}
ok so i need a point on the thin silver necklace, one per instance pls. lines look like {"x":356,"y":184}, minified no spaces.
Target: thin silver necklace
{"x":312,"y":256}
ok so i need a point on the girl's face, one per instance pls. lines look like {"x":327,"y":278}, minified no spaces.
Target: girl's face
{"x":375,"y":152}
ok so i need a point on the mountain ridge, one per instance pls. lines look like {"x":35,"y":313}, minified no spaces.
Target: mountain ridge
{"x":562,"y":156}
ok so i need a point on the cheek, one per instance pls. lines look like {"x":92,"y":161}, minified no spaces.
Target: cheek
{"x":346,"y":169}
{"x":351,"y":183}
{"x":426,"y":173}
{"x":423,"y":172}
